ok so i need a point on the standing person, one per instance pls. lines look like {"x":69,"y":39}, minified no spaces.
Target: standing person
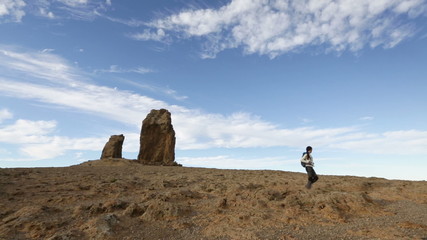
{"x":308,"y":164}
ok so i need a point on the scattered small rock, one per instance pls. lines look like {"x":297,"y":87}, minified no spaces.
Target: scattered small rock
{"x":134,"y":210}
{"x":222,"y":203}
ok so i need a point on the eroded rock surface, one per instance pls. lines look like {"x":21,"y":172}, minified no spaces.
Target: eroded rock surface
{"x":157,"y":139}
{"x":113,"y":148}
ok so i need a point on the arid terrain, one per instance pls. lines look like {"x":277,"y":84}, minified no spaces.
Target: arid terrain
{"x":120,"y":199}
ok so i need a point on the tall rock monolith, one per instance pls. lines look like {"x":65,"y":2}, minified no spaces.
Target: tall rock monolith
{"x":157,"y":139}
{"x":113,"y":148}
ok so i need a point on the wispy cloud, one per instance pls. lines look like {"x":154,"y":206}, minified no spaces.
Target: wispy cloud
{"x":163,"y":90}
{"x":47,"y":50}
{"x":128,"y":22}
{"x":194,"y":128}
{"x":79,"y":9}
{"x":15,"y":10}
{"x":276,"y":27}
{"x":103,"y":101}
{"x":117,"y":69}
{"x":142,"y":70}
{"x":366,"y":118}
{"x":44,"y":65}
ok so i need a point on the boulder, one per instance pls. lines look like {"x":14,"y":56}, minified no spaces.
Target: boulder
{"x":113,"y":148}
{"x":157,"y":141}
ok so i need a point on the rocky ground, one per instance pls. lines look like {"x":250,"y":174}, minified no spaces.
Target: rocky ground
{"x":119,"y":199}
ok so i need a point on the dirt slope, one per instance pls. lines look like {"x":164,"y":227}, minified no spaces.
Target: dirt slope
{"x":121,"y":199}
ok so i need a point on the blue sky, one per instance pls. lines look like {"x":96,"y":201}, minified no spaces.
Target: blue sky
{"x":249,"y":83}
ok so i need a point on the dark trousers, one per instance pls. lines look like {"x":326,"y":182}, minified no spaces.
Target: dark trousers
{"x":312,"y":176}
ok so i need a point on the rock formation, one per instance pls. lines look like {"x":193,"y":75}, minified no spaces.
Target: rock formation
{"x":113,"y":148}
{"x":157,"y":139}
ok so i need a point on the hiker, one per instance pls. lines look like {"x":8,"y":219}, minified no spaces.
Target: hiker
{"x":308,"y":164}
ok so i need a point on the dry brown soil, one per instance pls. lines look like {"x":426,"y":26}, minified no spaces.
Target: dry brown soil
{"x":120,"y":199}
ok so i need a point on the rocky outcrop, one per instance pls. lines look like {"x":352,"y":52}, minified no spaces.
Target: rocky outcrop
{"x":113,"y":148}
{"x":157,"y":139}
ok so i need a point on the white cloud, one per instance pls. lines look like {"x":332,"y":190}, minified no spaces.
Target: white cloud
{"x":25,"y":131}
{"x":37,"y":140}
{"x":280,"y":26}
{"x":47,"y":50}
{"x":366,"y":118}
{"x":12,"y":10}
{"x":391,"y":142}
{"x":74,"y":3}
{"x":39,"y":151}
{"x":4,"y":152}
{"x":306,"y":120}
{"x":148,"y":35}
{"x":5,"y":114}
{"x":46,"y":13}
{"x":198,"y":130}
